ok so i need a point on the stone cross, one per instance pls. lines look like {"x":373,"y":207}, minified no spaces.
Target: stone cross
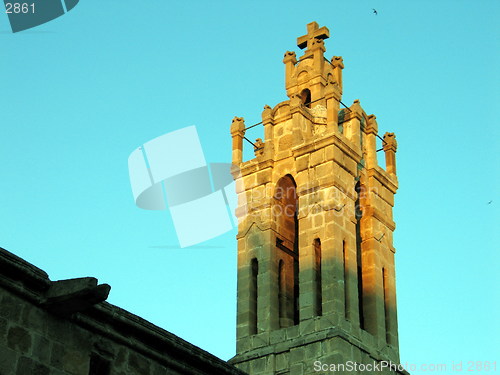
{"x":313,"y":32}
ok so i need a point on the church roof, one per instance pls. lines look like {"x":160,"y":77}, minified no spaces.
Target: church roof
{"x":82,"y":302}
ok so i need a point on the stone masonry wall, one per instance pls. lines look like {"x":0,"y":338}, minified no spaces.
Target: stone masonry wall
{"x":62,"y":328}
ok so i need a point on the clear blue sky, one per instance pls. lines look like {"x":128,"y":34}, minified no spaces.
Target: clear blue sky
{"x":78,"y":94}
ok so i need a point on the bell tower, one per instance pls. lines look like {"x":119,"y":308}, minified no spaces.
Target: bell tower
{"x":316,"y":277}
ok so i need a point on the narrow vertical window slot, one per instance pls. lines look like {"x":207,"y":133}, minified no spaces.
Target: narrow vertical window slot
{"x":253,"y":296}
{"x":317,"y":281}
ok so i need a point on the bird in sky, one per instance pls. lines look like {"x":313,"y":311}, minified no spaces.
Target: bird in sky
{"x":490,"y":202}
{"x":375,"y":11}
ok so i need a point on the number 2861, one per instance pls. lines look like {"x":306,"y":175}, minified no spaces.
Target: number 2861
{"x":18,"y":8}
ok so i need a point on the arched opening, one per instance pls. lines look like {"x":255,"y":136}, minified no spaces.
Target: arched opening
{"x":305,"y":96}
{"x":286,"y":220}
{"x":317,"y":278}
{"x":359,"y":215}
{"x":254,"y":270}
{"x":282,"y":294}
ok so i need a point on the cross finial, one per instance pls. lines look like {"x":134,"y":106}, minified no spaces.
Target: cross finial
{"x":313,"y":32}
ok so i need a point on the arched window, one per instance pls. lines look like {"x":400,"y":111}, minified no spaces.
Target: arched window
{"x":305,"y":96}
{"x":282,"y":294}
{"x":317,"y":278}
{"x":285,"y":217}
{"x":254,"y":270}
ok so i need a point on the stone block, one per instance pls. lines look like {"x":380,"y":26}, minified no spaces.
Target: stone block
{"x":338,"y":154}
{"x":8,"y":360}
{"x":243,"y":344}
{"x":57,"y":355}
{"x":308,"y":312}
{"x":41,"y":349}
{"x":138,"y":364}
{"x":72,"y":361}
{"x":260,"y":340}
{"x":306,"y":327}
{"x":27,"y":366}
{"x":329,"y":150}
{"x":285,"y":142}
{"x":258,"y":196}
{"x":34,"y":318}
{"x":350,"y":165}
{"x":318,"y":221}
{"x":161,"y":370}
{"x":250,"y":181}
{"x":292,"y":332}
{"x":332,"y":356}
{"x":19,"y":339}
{"x":120,"y":360}
{"x":297,"y":369}
{"x":317,"y":157}
{"x":297,"y":354}
{"x":313,"y":351}
{"x":307,"y":299}
{"x":258,"y":365}
{"x":277,"y":336}
{"x":59,"y":330}
{"x":282,"y":361}
{"x":325,"y":170}
{"x":302,"y":163}
{"x":264,"y":177}
{"x":244,"y":366}
{"x":240,"y":185}
{"x":3,"y":327}
{"x":302,"y":180}
{"x":10,"y":308}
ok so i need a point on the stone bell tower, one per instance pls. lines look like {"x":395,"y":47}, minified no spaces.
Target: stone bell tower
{"x":316,"y":277}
